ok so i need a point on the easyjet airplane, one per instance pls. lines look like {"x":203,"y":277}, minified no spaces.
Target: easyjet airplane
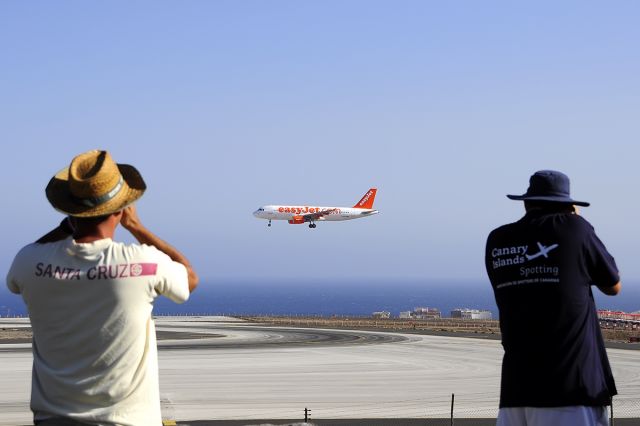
{"x":297,"y":215}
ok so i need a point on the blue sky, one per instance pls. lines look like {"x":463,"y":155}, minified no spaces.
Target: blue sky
{"x":228,"y":105}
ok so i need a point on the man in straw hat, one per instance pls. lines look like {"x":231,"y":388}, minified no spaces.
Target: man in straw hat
{"x":555,"y":369}
{"x":90,"y":300}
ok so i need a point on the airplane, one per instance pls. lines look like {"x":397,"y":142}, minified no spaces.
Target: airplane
{"x":544,"y":251}
{"x":297,"y":215}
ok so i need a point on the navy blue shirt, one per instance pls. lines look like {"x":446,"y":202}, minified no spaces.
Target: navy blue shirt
{"x":541,"y":269}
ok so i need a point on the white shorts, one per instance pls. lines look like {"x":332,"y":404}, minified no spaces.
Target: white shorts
{"x":554,"y":416}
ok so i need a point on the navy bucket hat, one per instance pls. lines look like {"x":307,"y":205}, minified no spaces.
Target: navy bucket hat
{"x":548,"y":185}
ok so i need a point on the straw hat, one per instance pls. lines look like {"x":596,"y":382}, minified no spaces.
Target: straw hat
{"x":94,"y":185}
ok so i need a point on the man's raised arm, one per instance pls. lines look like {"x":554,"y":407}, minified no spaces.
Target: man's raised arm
{"x":613,"y":290}
{"x":131,"y":222}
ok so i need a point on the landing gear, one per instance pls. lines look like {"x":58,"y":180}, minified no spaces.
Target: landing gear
{"x":269,"y":224}
{"x":312,"y":225}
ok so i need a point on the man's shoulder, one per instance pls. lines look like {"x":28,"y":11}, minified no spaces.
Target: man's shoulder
{"x":581,"y":222}
{"x":26,"y":260}
{"x":505,"y":229}
{"x":571,"y":225}
{"x":33,"y":249}
{"x":570,"y":221}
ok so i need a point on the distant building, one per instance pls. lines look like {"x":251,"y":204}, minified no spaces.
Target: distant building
{"x":471,"y":314}
{"x":381,"y":315}
{"x":619,"y":315}
{"x":619,"y":319}
{"x":405,"y":315}
{"x":426,"y":313}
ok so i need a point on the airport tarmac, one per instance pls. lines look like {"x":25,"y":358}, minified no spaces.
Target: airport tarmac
{"x":221,"y":369}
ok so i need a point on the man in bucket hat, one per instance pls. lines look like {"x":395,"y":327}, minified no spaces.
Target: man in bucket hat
{"x":90,"y":300}
{"x":555,"y":369}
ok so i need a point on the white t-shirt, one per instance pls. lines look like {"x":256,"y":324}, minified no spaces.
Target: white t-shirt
{"x":94,"y":344}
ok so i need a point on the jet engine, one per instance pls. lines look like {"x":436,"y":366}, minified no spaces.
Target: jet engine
{"x":296,"y":220}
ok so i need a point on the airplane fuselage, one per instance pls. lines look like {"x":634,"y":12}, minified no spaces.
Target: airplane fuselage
{"x":299,"y":214}
{"x":289,"y":212}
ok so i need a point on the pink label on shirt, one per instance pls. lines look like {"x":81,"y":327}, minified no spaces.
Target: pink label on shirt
{"x":141,"y":269}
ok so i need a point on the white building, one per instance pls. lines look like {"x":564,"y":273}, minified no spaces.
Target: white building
{"x":426,"y":313}
{"x":471,"y":314}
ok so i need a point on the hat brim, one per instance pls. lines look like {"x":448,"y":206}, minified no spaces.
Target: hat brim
{"x":61,"y":199}
{"x":550,"y":198}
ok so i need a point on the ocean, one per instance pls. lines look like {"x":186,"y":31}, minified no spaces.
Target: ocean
{"x":333,"y":297}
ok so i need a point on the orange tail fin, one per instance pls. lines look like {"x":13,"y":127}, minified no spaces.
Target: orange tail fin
{"x":367,"y":200}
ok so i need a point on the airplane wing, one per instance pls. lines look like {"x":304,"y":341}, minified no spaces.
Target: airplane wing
{"x":309,"y":217}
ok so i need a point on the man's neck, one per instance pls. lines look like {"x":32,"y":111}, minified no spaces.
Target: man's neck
{"x":90,"y":238}
{"x":88,"y":232}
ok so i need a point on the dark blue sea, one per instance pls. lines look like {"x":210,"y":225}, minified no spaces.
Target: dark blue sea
{"x":333,"y":297}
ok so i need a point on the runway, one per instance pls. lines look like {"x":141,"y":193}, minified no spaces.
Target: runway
{"x":236,"y":335}
{"x":214,"y":368}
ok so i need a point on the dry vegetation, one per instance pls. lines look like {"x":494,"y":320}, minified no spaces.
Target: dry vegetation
{"x":443,"y":324}
{"x":15,"y":335}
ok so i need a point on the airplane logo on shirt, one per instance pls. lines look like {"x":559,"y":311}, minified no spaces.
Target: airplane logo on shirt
{"x":544,"y":251}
